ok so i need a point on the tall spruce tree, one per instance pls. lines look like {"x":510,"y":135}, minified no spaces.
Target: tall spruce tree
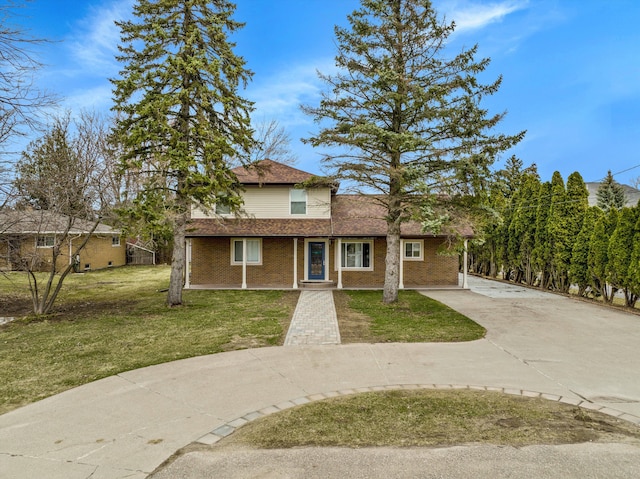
{"x":610,"y":194}
{"x":402,"y":118}
{"x":180,"y":115}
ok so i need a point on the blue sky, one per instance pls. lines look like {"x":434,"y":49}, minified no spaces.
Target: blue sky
{"x":571,"y":68}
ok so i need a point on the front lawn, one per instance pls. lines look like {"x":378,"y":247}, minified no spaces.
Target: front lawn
{"x":116,"y":320}
{"x":110,"y":321}
{"x":414,"y":318}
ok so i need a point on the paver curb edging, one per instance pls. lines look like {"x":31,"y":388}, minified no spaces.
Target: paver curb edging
{"x":229,"y":428}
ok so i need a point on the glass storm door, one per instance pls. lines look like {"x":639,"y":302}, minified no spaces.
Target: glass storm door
{"x":316,"y":261}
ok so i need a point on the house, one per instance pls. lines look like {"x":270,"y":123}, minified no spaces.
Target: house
{"x":28,"y":236}
{"x":290,"y":236}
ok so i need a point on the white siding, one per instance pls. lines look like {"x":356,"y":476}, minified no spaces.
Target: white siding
{"x":273,"y":202}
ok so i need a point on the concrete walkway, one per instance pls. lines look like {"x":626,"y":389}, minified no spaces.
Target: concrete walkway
{"x":314,"y":320}
{"x":125,"y":426}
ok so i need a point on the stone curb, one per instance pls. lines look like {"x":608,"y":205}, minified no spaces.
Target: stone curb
{"x":230,"y":427}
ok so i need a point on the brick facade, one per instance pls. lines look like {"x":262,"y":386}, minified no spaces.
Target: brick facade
{"x":99,"y":253}
{"x":211,"y":265}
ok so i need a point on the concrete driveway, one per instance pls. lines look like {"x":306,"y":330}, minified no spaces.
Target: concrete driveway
{"x":125,"y":426}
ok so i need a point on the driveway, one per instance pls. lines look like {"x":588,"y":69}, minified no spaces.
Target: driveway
{"x":125,"y":426}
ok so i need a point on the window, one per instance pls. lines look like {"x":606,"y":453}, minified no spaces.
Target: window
{"x":47,"y":241}
{"x":298,"y":202}
{"x":222,"y":209}
{"x":115,"y":241}
{"x":254,"y":247}
{"x":413,"y":250}
{"x":356,"y":255}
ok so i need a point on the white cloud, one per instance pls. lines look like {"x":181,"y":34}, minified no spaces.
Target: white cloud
{"x":474,"y":16}
{"x":280,"y":96}
{"x":94,"y":43}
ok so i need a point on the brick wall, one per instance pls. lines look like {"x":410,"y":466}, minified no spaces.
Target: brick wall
{"x":99,"y":253}
{"x":211,"y":265}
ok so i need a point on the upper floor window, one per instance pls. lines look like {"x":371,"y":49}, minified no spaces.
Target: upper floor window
{"x":45,"y":241}
{"x":222,"y":209}
{"x":115,"y":241}
{"x":413,"y":250}
{"x":298,"y":201}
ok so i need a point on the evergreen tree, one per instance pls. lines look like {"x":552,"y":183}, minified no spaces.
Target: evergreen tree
{"x":620,"y":252}
{"x":598,"y":258}
{"x":401,"y":118}
{"x":558,"y":234}
{"x":579,"y":270}
{"x":523,"y":228}
{"x":634,"y":265}
{"x":542,"y":249}
{"x":181,"y":118}
{"x":610,"y":194}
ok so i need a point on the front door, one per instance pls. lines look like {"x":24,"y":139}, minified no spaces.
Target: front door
{"x":316,"y":261}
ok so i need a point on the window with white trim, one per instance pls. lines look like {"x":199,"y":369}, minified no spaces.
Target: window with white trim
{"x":222,"y":209}
{"x":115,"y":241}
{"x":254,"y":251}
{"x":357,"y":255}
{"x":413,"y":250}
{"x":45,"y":241}
{"x":298,"y":199}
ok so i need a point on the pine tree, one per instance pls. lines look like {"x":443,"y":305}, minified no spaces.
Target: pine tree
{"x":181,"y":118}
{"x":610,"y":194}
{"x":401,"y":118}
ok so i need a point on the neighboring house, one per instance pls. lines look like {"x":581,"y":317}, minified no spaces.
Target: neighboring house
{"x":632,"y":194}
{"x":27,"y":238}
{"x":288,"y":236}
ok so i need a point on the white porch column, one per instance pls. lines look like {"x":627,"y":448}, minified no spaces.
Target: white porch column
{"x":401,"y":283}
{"x":465,"y":265}
{"x":187,"y":276}
{"x":339,"y":251}
{"x":295,"y":263}
{"x":244,"y":263}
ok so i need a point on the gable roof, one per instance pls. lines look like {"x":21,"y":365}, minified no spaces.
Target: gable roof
{"x":269,"y":172}
{"x":46,"y":222}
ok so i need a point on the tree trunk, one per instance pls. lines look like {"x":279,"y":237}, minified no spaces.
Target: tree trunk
{"x":176,"y":280}
{"x":392,"y":270}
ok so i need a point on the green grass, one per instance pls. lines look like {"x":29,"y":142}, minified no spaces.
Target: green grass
{"x":414,"y":318}
{"x":420,"y":418}
{"x":111,"y":321}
